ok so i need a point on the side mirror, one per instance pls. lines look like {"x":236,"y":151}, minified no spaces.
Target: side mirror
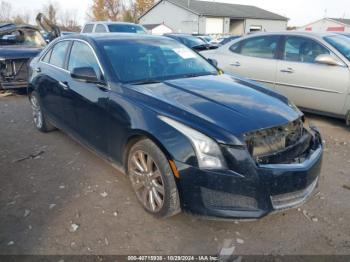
{"x":213,"y":62}
{"x":86,"y":74}
{"x":328,"y":60}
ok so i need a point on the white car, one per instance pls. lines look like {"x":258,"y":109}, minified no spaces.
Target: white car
{"x":311,"y":69}
{"x":113,"y":27}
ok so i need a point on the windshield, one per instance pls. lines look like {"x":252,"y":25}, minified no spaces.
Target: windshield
{"x":341,"y":43}
{"x":126,"y":28}
{"x":207,"y":38}
{"x":137,"y":60}
{"x":27,"y":37}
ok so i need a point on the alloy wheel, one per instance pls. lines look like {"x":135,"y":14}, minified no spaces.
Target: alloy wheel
{"x":146,"y":180}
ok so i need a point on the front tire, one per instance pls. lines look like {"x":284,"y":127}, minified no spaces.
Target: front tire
{"x":41,"y":121}
{"x":153,"y":180}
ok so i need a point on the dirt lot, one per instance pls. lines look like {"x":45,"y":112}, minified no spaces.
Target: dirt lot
{"x":56,"y":197}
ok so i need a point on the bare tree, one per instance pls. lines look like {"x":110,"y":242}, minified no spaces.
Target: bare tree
{"x":69,"y":21}
{"x":113,"y":8}
{"x":106,"y":10}
{"x":141,"y":6}
{"x":5,"y":11}
{"x":51,"y":10}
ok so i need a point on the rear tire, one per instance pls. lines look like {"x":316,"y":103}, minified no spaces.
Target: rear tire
{"x":152,"y":179}
{"x":41,"y":121}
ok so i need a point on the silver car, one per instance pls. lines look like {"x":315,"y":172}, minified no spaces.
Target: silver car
{"x":311,"y":69}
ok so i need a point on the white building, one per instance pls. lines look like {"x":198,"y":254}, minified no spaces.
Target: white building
{"x":328,"y":25}
{"x":202,"y":17}
{"x":157,"y":29}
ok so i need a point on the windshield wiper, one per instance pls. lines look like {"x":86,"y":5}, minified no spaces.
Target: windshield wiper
{"x":146,"y":82}
{"x":195,"y":75}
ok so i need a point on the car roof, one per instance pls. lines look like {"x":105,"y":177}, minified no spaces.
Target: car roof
{"x":110,"y":23}
{"x":181,"y":35}
{"x":296,"y":33}
{"x":110,"y":36}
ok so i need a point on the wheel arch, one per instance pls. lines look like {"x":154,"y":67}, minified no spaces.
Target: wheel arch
{"x":136,"y":136}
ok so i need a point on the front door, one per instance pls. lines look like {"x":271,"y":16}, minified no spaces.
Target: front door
{"x":89,"y":100}
{"x":308,"y":84}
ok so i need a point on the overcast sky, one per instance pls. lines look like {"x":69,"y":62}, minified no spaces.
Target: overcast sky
{"x":300,"y":12}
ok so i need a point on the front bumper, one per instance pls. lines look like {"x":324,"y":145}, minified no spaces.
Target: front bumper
{"x":249,"y":190}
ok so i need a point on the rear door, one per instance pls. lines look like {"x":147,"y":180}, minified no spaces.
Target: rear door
{"x":52,"y":75}
{"x":308,"y":84}
{"x":254,"y":58}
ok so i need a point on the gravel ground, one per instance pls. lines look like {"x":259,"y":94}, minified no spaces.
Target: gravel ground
{"x":56,"y":197}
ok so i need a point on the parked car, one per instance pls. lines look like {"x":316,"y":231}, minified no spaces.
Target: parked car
{"x":205,"y":38}
{"x":192,"y":42}
{"x":18,"y":44}
{"x":63,"y":33}
{"x":187,"y":136}
{"x":311,"y":69}
{"x":225,"y":40}
{"x":113,"y":27}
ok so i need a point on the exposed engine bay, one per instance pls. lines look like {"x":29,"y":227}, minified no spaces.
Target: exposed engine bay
{"x":284,"y":144}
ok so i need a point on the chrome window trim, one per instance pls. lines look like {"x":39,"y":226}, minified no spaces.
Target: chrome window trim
{"x":48,"y":50}
{"x":79,"y":40}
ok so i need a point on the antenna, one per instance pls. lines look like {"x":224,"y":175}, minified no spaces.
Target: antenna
{"x":188,"y":3}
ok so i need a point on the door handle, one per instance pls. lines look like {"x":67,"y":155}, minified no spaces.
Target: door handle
{"x":64,"y":85}
{"x":288,"y":70}
{"x":38,"y":69}
{"x":236,"y":64}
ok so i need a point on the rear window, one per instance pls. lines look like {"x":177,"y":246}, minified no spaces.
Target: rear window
{"x":88,"y":28}
{"x":126,"y":28}
{"x":58,"y":54}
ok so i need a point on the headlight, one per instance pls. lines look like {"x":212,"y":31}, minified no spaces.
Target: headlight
{"x":207,"y":150}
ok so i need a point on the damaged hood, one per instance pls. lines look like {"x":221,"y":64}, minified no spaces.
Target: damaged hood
{"x":234,"y":104}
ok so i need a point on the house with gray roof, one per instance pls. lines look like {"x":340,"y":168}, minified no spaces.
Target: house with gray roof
{"x":204,"y":17}
{"x":328,"y":25}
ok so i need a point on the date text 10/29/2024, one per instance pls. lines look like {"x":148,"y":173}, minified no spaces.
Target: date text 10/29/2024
{"x":173,"y":258}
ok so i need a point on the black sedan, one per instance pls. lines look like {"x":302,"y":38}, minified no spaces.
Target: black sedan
{"x":188,"y":136}
{"x":192,"y":42}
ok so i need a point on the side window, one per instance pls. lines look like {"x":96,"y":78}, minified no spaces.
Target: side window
{"x":301,"y":49}
{"x":88,"y":28}
{"x":81,"y":55}
{"x":235,"y":48}
{"x":58,"y":54}
{"x":47,"y":56}
{"x":262,"y":47}
{"x":100,"y":29}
